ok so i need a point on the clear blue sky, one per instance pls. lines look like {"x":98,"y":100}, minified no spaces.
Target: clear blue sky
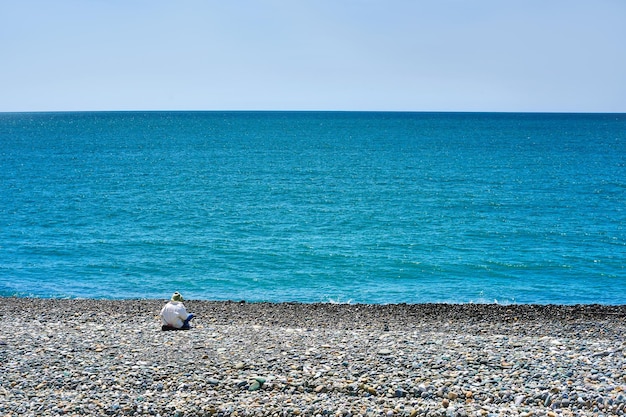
{"x":433,"y":55}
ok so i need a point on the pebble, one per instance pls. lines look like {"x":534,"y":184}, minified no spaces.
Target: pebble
{"x":96,"y":357}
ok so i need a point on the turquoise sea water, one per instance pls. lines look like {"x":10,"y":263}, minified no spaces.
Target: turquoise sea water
{"x":314,"y":206}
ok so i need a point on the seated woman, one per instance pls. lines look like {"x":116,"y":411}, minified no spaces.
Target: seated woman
{"x":174,"y":315}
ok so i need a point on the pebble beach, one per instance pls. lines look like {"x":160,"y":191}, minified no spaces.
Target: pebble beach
{"x":110,"y":357}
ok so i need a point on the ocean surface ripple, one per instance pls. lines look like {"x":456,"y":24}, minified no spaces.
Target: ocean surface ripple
{"x":314,"y":206}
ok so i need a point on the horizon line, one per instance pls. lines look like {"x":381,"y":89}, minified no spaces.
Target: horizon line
{"x":312,"y":111}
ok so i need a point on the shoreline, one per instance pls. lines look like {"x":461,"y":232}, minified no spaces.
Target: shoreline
{"x":109,"y":357}
{"x":344,"y":316}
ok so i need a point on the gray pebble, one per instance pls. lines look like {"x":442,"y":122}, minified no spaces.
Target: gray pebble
{"x":108,"y":357}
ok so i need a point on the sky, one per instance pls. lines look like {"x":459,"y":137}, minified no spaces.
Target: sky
{"x":377,"y":55}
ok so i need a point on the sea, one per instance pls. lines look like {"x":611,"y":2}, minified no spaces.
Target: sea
{"x":308,"y":207}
